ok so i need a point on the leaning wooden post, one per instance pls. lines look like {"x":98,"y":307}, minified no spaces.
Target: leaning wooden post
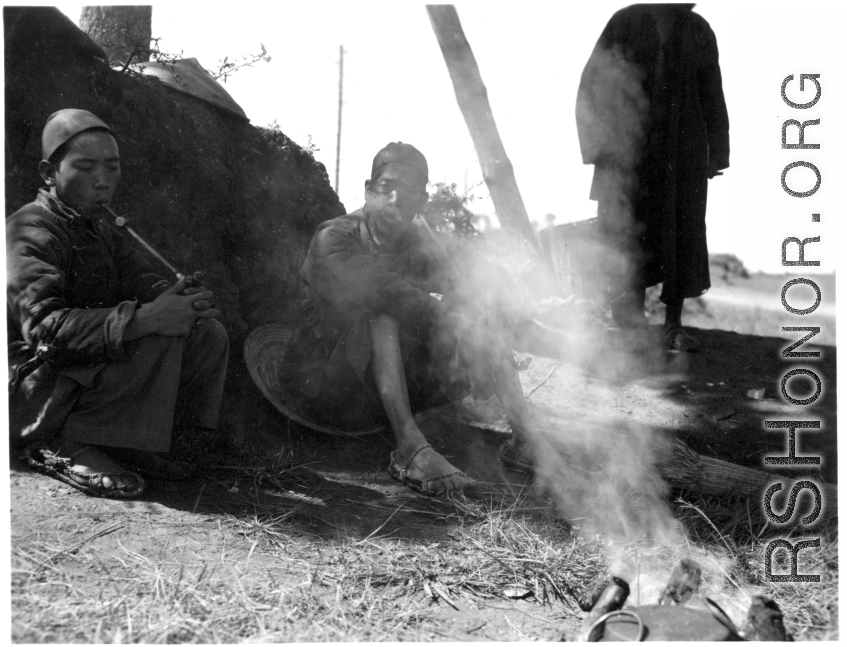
{"x":473,"y":101}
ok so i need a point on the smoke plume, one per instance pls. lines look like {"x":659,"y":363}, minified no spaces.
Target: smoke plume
{"x":611,"y":113}
{"x":612,"y":121}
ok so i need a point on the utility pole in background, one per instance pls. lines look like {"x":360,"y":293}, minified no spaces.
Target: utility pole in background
{"x":340,"y":104}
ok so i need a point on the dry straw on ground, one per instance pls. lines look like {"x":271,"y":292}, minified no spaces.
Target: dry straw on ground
{"x":270,"y":578}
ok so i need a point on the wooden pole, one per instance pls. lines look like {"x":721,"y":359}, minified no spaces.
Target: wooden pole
{"x":340,"y":104}
{"x":473,"y":101}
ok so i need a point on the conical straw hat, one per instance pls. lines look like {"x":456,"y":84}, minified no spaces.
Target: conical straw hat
{"x":264,"y":351}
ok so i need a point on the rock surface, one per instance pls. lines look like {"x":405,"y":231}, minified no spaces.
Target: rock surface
{"x":206,"y":189}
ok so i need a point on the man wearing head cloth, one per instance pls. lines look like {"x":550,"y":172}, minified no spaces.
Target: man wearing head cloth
{"x":103,"y":352}
{"x":375,"y":344}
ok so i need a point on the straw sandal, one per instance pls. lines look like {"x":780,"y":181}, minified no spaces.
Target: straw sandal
{"x":41,"y":458}
{"x":418,"y":485}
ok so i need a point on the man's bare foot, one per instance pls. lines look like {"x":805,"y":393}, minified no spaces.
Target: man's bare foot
{"x":94,"y":461}
{"x":431,"y":472}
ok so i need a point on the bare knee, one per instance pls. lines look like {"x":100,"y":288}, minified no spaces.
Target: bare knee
{"x":383,"y":325}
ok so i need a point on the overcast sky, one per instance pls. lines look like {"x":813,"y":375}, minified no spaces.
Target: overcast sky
{"x":530,"y":54}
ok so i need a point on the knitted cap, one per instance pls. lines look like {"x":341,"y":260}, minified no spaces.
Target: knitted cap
{"x":62,"y":125}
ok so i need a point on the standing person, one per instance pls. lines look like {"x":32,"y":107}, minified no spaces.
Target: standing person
{"x":652,"y":119}
{"x":374,"y":343}
{"x":102,"y":351}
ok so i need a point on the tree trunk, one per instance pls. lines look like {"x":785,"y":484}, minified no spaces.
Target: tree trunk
{"x":473,"y":101}
{"x":123,"y":31}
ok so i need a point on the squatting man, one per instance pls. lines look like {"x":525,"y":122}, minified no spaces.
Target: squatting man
{"x":400,"y":318}
{"x":104,"y":354}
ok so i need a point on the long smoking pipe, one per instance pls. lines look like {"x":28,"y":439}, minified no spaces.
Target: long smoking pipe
{"x":121,"y":222}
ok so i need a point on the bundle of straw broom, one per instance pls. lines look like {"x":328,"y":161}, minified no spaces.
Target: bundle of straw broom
{"x":685,"y":469}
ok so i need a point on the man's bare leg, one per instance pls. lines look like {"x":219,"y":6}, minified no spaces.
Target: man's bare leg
{"x":390,"y":376}
{"x":530,"y":446}
{"x":508,"y":389}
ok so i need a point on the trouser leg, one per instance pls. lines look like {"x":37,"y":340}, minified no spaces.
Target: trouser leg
{"x":131,"y":403}
{"x":204,"y":362}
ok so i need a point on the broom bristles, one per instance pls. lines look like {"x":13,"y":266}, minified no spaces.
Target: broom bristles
{"x":686,"y":469}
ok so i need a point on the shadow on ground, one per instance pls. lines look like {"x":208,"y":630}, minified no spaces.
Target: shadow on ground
{"x":715,"y":400}
{"x":330,"y":487}
{"x":338,"y":487}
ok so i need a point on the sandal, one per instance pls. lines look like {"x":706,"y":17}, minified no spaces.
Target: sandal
{"x":515,"y":458}
{"x":418,"y":485}
{"x":678,"y":338}
{"x":41,"y":458}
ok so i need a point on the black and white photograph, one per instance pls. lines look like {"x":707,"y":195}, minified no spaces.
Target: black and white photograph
{"x":406,"y":322}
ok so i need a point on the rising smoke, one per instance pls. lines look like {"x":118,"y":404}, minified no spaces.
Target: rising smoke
{"x":612,"y":122}
{"x":611,"y":112}
{"x":601,"y":469}
{"x":604,"y":475}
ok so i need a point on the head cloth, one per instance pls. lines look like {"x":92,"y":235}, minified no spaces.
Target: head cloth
{"x":402,"y":153}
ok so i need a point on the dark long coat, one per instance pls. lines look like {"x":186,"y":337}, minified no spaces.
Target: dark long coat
{"x":651,"y":115}
{"x":72,"y":287}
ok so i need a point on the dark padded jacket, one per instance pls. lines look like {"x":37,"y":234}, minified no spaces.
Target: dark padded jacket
{"x":72,"y":287}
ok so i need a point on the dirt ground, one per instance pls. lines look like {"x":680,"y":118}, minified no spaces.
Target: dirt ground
{"x":270,"y":542}
{"x":344,"y":495}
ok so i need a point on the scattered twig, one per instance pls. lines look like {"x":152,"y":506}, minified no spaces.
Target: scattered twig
{"x":383,"y":524}
{"x":441,"y":590}
{"x":197,"y":501}
{"x":542,"y":382}
{"x":381,"y":507}
{"x":82,"y":542}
